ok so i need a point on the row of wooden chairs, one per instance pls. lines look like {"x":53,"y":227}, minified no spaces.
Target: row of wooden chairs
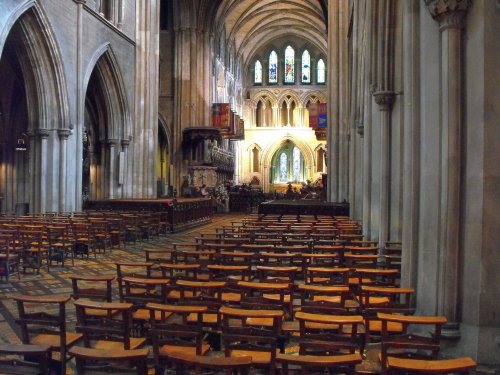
{"x":176,"y":334}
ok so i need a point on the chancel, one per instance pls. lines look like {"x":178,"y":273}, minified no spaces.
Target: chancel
{"x":280,"y":186}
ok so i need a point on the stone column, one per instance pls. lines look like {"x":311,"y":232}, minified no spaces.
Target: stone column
{"x":112,"y":167}
{"x":367,"y":120}
{"x":126,"y":188}
{"x":411,"y":146}
{"x":450,"y":14}
{"x":63,"y":142}
{"x":146,"y":102}
{"x":44,"y":135}
{"x":385,"y":100}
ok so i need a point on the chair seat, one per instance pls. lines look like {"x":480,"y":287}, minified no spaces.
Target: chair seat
{"x":206,"y":318}
{"x":355,"y":281}
{"x":135,"y":342}
{"x":376,"y":326}
{"x":143,"y":314}
{"x":376,"y":301}
{"x":263,"y":322}
{"x":440,"y":366}
{"x":176,"y":294}
{"x":276,"y":297}
{"x":54,"y":340}
{"x":97,"y":312}
{"x":259,"y":358}
{"x":166,"y":350}
{"x":230,"y":297}
{"x":331,"y":299}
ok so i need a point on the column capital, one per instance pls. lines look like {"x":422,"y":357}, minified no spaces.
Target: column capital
{"x":43,"y":133}
{"x":385,"y":99}
{"x":125,"y":143}
{"x":449,"y":13}
{"x":63,"y":133}
{"x":113,"y":142}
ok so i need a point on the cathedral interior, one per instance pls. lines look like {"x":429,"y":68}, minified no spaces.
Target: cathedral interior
{"x":388,"y":106}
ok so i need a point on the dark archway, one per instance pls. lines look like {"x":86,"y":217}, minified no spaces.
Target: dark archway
{"x":105,"y":132}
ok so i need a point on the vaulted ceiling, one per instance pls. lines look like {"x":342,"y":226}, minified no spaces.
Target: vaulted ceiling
{"x":254,"y":23}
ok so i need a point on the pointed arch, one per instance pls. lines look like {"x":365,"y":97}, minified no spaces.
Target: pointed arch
{"x":42,"y":67}
{"x":104,"y":64}
{"x":271,"y":149}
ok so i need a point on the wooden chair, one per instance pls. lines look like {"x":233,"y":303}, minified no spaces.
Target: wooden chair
{"x":27,"y":357}
{"x":395,"y":365}
{"x":109,"y":330}
{"x":326,"y":275}
{"x":375,"y":300}
{"x":82,"y":238}
{"x":346,"y":331}
{"x":175,"y":335}
{"x":34,"y":250}
{"x":410,"y":345}
{"x":407,"y":352}
{"x":96,"y":288}
{"x":35,"y":316}
{"x":314,"y":364}
{"x":327,"y":295}
{"x":277,"y":293}
{"x":122,"y":361}
{"x":151,"y":291}
{"x":260,"y":343}
{"x":195,"y":364}
{"x":10,"y":259}
{"x":60,"y":246}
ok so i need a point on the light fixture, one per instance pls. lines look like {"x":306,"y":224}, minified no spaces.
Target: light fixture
{"x":21,"y":145}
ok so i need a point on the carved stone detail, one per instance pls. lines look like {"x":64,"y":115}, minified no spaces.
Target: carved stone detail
{"x":449,"y":13}
{"x":43,"y":133}
{"x":385,"y":99}
{"x":63,"y":133}
{"x":360,"y":127}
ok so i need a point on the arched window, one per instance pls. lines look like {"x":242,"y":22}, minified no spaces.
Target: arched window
{"x":273,"y":67}
{"x":258,"y":72}
{"x":306,"y":67}
{"x":283,"y":167}
{"x":289,"y":65}
{"x":296,"y":164}
{"x":321,"y":71}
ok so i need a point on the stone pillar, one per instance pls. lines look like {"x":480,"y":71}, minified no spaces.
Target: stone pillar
{"x":112,"y":167}
{"x":146,"y":104}
{"x":367,"y":120}
{"x":338,"y":26}
{"x":411,"y":146}
{"x":450,"y":14}
{"x":126,"y":188}
{"x":385,"y":100}
{"x":119,"y":22}
{"x":42,"y":198}
{"x":63,"y":142}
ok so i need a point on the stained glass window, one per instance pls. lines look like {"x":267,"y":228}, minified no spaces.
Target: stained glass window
{"x":283,"y":167}
{"x":306,"y":67}
{"x":258,"y":72}
{"x":273,"y":67}
{"x":321,"y":71}
{"x":289,"y":65}
{"x":296,"y":164}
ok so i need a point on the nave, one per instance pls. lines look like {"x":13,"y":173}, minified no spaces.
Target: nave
{"x":290,"y":281}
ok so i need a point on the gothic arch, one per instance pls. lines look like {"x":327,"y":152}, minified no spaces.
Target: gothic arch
{"x":314,"y":96}
{"x":269,"y":151}
{"x":42,"y":67}
{"x":27,"y":40}
{"x":103,"y":62}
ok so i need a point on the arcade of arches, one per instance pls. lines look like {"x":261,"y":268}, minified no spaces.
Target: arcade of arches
{"x":101,"y":93}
